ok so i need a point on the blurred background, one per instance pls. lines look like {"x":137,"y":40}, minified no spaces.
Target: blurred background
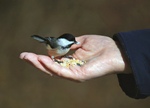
{"x":23,"y":86}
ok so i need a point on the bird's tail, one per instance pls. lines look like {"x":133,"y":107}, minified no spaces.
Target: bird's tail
{"x":39,"y":38}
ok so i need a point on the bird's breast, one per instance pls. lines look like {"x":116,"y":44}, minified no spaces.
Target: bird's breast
{"x":57,"y":51}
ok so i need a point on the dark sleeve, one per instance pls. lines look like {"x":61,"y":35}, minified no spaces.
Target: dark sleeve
{"x":136,"y":46}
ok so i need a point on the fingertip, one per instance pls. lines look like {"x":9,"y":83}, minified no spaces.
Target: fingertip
{"x":28,"y":56}
{"x":21,"y":56}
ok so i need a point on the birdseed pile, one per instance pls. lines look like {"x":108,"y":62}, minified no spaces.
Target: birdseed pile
{"x":69,"y":61}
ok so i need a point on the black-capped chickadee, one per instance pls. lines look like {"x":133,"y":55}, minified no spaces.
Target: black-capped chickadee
{"x":57,"y":46}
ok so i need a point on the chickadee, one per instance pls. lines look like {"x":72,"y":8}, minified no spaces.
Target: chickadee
{"x":57,"y":46}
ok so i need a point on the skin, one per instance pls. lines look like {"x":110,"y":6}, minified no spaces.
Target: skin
{"x":102,"y":54}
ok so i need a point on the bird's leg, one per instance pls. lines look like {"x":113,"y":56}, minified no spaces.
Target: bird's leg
{"x":68,"y":56}
{"x":55,"y":60}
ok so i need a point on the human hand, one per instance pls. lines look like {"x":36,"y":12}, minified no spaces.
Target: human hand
{"x":101,"y":53}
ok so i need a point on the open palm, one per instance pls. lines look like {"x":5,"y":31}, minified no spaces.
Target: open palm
{"x":101,"y":53}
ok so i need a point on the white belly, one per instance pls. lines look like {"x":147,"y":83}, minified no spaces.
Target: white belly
{"x":57,"y":52}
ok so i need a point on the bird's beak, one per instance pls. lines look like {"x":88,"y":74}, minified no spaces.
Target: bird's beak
{"x":77,"y":42}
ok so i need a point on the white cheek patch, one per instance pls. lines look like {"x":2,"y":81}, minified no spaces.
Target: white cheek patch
{"x":64,"y":42}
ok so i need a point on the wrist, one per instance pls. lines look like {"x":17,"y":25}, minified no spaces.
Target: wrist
{"x":127,"y":69}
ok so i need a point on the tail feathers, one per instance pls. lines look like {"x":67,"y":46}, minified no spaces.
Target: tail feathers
{"x":39,"y":38}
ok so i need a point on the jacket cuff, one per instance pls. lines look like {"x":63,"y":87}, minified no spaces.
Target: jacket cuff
{"x":127,"y":82}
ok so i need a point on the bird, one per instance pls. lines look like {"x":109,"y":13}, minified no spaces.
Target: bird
{"x":57,"y":47}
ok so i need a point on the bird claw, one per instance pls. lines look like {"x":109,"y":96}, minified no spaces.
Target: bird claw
{"x":68,"y":56}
